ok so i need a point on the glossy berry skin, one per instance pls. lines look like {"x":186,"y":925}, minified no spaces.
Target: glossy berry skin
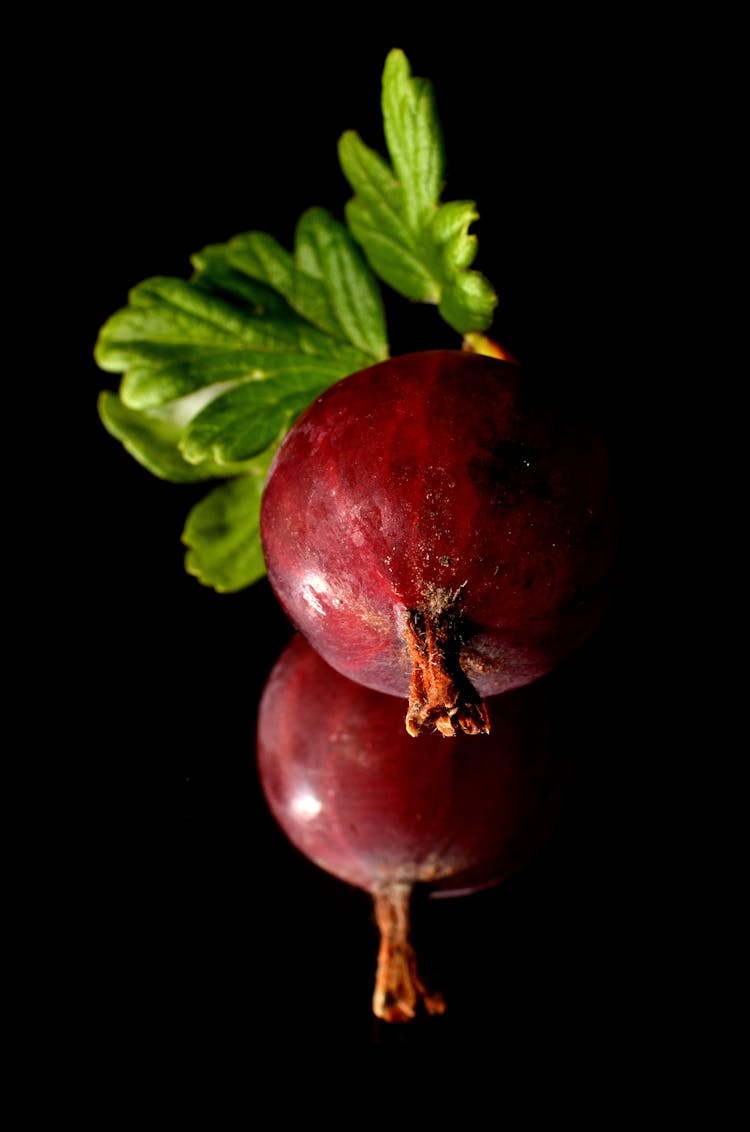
{"x":436,"y":492}
{"x":376,"y":808}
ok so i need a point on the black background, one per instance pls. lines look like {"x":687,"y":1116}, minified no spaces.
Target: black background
{"x":200,"y":937}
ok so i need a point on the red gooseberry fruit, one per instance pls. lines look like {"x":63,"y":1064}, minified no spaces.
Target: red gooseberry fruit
{"x":358,"y":797}
{"x":438,"y":532}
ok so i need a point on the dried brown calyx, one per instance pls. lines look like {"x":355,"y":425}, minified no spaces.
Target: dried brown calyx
{"x":441,"y":696}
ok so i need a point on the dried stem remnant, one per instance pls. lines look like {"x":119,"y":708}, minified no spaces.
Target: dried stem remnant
{"x":399,"y":991}
{"x":441,"y":696}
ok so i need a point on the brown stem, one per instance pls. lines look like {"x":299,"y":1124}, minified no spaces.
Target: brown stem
{"x":441,"y":696}
{"x":399,"y":991}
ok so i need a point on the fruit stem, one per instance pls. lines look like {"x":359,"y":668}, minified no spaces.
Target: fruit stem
{"x":441,"y":696}
{"x":399,"y":991}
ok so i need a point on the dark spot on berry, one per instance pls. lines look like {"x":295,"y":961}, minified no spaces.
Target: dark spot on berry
{"x":507,"y":473}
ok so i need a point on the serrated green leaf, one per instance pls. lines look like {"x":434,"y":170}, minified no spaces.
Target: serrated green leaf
{"x":372,"y":179}
{"x":415,"y":244}
{"x":175,"y":338}
{"x":222,"y":533}
{"x":223,"y":363}
{"x":262,"y":257}
{"x":215,"y":274}
{"x":388,"y":245}
{"x":450,"y":231}
{"x":414,"y":138}
{"x":470,"y":300}
{"x":325,"y":250}
{"x":245,"y":420}
{"x":326,"y":280}
{"x":153,"y":439}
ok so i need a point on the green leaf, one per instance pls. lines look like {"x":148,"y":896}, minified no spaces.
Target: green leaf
{"x":415,"y":244}
{"x":216,"y":368}
{"x":375,"y":216}
{"x":222,"y":532}
{"x":175,"y":338}
{"x":215,"y":274}
{"x":153,"y":439}
{"x":243,"y":421}
{"x":326,"y":281}
{"x":324,"y":250}
{"x":414,"y":138}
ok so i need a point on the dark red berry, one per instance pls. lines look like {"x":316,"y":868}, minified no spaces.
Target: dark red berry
{"x":366,"y":803}
{"x":436,"y":531}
